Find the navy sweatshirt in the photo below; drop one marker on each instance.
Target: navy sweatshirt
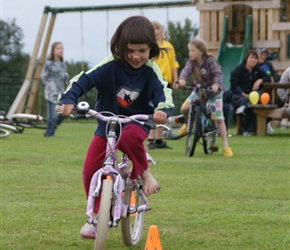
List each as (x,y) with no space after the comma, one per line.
(122,89)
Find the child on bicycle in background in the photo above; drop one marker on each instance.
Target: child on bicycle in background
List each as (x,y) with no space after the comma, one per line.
(128,83)
(207,72)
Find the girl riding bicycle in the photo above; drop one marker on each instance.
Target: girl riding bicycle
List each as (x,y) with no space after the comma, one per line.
(207,72)
(128,82)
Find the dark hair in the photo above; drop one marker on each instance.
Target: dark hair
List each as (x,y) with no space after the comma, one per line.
(134,30)
(250,52)
(51,55)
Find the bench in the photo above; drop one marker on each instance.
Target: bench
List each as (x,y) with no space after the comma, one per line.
(262,113)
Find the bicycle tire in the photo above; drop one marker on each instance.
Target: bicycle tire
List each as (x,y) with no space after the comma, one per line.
(29,121)
(10,127)
(132,226)
(189,131)
(194,122)
(104,215)
(175,123)
(27,116)
(208,139)
(172,134)
(4,133)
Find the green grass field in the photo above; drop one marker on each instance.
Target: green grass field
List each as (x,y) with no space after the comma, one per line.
(206,202)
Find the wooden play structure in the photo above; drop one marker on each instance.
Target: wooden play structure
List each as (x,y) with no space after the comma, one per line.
(232,27)
(228,27)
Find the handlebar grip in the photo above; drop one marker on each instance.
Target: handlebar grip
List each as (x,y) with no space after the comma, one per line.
(79,115)
(150,123)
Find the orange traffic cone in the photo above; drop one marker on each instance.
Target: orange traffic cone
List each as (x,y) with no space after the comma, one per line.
(133,203)
(153,240)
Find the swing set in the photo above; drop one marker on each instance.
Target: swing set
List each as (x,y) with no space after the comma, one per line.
(239,23)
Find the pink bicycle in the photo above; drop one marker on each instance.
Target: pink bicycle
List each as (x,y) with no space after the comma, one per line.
(122,199)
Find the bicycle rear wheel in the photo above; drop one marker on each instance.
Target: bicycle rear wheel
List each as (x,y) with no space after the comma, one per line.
(193,125)
(209,145)
(104,215)
(132,226)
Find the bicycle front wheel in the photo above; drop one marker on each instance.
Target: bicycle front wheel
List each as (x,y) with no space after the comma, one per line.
(132,226)
(193,130)
(104,215)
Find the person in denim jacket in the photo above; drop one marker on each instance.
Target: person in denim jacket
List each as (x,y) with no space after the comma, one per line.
(55,79)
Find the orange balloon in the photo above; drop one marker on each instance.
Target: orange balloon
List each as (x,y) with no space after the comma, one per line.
(265,98)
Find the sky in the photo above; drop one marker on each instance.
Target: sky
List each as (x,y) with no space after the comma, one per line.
(85,36)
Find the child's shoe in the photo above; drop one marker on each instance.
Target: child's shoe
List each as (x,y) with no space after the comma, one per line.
(88,231)
(228,152)
(163,145)
(182,130)
(150,145)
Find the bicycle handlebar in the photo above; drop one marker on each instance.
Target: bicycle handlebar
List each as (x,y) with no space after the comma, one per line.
(199,86)
(83,111)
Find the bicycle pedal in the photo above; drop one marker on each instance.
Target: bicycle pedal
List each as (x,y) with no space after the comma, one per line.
(214,148)
(157,190)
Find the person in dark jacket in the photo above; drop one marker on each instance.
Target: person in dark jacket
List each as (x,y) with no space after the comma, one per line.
(245,78)
(267,65)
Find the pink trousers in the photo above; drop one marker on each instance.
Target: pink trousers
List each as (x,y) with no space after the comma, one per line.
(131,144)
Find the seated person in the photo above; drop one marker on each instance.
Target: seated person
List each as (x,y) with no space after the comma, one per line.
(284,94)
(267,65)
(245,78)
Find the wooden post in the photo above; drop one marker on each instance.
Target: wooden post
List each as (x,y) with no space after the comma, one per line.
(18,104)
(32,97)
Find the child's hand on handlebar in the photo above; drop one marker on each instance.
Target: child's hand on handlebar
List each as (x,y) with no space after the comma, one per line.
(214,88)
(67,109)
(159,117)
(182,82)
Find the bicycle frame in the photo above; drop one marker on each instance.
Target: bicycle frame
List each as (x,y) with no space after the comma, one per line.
(112,168)
(116,186)
(204,127)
